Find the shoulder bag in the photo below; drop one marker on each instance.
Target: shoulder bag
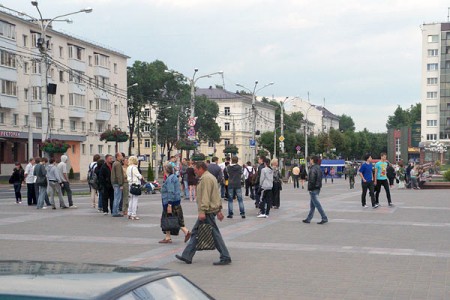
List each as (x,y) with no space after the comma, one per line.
(135,189)
(169,223)
(205,239)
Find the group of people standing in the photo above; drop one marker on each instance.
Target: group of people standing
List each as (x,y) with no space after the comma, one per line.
(44,178)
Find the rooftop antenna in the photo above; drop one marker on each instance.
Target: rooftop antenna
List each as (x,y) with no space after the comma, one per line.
(448,14)
(223,81)
(308,96)
(323,102)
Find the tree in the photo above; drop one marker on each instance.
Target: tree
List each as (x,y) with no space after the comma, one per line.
(404,117)
(206,126)
(346,123)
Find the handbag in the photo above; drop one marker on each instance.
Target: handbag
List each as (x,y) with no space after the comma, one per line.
(205,239)
(170,223)
(135,189)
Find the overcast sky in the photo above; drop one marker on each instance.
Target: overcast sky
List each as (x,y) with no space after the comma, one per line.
(361,56)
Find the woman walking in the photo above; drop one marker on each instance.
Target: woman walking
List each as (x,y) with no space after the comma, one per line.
(276,184)
(171,203)
(192,182)
(16,179)
(133,177)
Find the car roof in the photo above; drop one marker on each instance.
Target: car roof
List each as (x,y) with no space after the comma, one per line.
(60,280)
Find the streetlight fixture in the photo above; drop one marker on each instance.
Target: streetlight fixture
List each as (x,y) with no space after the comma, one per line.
(253,92)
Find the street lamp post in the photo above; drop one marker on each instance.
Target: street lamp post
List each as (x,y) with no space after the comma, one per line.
(253,92)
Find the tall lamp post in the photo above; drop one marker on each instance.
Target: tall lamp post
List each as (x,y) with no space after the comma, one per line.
(253,92)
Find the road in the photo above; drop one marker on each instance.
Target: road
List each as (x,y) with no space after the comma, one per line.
(388,253)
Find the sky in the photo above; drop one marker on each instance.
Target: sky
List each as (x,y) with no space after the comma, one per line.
(361,58)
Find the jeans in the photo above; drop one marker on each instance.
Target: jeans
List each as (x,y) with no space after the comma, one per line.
(100,200)
(368,186)
(117,199)
(66,188)
(385,184)
(314,203)
(132,205)
(295,180)
(190,249)
(222,190)
(266,202)
(31,194)
(17,187)
(51,189)
(238,193)
(186,189)
(41,199)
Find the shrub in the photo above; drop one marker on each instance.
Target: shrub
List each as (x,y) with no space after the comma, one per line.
(71,174)
(447,175)
(150,175)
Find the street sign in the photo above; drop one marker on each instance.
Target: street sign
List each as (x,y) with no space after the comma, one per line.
(281,138)
(191,132)
(142,158)
(252,144)
(281,145)
(192,121)
(298,148)
(154,148)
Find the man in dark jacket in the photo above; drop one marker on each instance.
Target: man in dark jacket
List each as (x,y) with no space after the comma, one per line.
(106,185)
(234,187)
(261,165)
(314,186)
(215,169)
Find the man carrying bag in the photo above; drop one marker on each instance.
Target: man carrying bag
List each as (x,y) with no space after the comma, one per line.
(209,205)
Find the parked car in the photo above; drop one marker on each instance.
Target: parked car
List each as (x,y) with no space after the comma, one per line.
(58,280)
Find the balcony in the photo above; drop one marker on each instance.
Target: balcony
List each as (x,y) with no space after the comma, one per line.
(77,112)
(36,107)
(76,64)
(101,71)
(9,102)
(102,116)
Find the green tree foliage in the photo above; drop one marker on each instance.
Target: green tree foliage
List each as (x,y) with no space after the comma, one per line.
(206,126)
(404,117)
(346,123)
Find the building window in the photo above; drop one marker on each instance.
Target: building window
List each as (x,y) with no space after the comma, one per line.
(76,76)
(210,144)
(91,149)
(61,52)
(26,120)
(431,123)
(227,126)
(83,149)
(432,81)
(15,119)
(115,68)
(35,67)
(432,67)
(147,128)
(433,38)
(52,123)
(102,105)
(227,111)
(61,100)
(25,40)
(77,100)
(73,125)
(132,143)
(101,60)
(2,118)
(109,148)
(431,137)
(61,76)
(147,113)
(7,30)
(431,95)
(448,121)
(432,109)
(116,109)
(100,149)
(99,127)
(37,93)
(26,66)
(7,59)
(76,52)
(9,88)
(83,126)
(147,143)
(61,124)
(432,52)
(38,122)
(227,142)
(91,126)
(25,94)
(90,60)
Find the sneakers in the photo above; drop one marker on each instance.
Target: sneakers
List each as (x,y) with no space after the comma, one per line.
(73,206)
(261,216)
(222,262)
(179,257)
(230,216)
(243,216)
(375,206)
(391,204)
(365,206)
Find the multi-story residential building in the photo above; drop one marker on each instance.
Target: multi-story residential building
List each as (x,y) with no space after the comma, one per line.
(90,97)
(235,120)
(435,94)
(319,119)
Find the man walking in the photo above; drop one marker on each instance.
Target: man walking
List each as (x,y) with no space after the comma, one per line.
(266,185)
(314,186)
(215,169)
(261,165)
(55,181)
(29,180)
(366,174)
(234,187)
(41,181)
(117,180)
(209,205)
(381,179)
(62,167)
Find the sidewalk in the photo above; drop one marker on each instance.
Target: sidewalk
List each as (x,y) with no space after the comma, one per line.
(362,253)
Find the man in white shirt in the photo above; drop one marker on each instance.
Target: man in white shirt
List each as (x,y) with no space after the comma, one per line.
(30,179)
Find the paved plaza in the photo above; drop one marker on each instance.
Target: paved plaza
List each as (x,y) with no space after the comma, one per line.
(401,252)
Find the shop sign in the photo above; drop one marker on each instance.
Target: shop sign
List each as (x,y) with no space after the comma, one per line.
(13,134)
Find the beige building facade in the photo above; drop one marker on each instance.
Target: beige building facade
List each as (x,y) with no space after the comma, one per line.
(90,96)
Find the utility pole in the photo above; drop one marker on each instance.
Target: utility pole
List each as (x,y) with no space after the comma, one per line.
(30,130)
(234,132)
(282,132)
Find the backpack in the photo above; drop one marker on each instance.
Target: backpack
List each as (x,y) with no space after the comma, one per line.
(251,176)
(92,177)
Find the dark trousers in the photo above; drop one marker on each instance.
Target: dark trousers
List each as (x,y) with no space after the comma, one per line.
(266,202)
(276,196)
(31,194)
(351,180)
(108,195)
(385,184)
(368,186)
(249,187)
(257,195)
(17,188)
(295,180)
(66,188)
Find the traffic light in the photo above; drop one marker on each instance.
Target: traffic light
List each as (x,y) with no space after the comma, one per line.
(257,132)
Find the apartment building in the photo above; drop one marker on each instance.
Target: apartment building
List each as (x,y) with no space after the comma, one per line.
(435,92)
(235,120)
(90,96)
